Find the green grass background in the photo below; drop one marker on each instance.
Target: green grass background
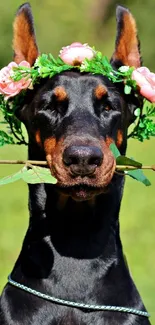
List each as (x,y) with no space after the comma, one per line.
(68,21)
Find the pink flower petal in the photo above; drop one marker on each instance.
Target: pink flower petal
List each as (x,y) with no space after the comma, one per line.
(2,86)
(151,78)
(143,70)
(139,78)
(9,87)
(146,81)
(4,74)
(12,65)
(148,92)
(10,93)
(76,53)
(76,44)
(1,91)
(26,84)
(24,64)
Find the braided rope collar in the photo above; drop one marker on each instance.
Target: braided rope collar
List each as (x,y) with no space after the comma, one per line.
(77,304)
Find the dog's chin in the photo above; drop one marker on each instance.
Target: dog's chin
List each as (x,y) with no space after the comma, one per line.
(81,192)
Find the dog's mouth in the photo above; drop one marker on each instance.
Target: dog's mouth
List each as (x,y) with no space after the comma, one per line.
(80,192)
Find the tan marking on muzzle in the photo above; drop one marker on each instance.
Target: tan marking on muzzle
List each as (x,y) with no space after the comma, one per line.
(108,141)
(49,146)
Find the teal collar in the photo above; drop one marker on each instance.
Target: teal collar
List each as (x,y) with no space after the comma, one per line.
(77,304)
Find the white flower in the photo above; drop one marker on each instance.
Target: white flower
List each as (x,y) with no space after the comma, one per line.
(124,68)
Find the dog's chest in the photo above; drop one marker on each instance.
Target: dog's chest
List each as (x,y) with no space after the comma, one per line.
(99,318)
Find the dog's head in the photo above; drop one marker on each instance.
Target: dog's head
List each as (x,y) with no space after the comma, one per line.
(73,117)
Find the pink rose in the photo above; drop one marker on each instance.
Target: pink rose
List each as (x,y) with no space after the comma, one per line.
(146,81)
(9,87)
(75,53)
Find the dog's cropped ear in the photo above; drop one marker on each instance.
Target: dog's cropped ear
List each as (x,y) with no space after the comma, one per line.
(127,44)
(24,41)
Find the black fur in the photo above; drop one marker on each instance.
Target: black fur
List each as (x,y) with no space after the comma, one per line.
(73,250)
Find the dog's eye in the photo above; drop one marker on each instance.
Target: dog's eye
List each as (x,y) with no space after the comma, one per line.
(107,108)
(101,107)
(60,107)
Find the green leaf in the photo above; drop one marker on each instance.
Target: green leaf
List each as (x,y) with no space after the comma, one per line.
(141,125)
(127,89)
(11,178)
(137,112)
(114,150)
(139,176)
(5,138)
(122,160)
(37,174)
(33,175)
(8,108)
(150,110)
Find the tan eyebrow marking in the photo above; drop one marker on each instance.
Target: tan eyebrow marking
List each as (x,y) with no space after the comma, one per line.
(100,91)
(60,93)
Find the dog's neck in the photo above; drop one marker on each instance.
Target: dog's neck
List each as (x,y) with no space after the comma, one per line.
(87,230)
(76,229)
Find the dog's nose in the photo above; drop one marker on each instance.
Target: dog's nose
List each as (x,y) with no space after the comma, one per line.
(82,160)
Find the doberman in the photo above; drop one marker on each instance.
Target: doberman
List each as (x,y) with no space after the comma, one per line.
(72,249)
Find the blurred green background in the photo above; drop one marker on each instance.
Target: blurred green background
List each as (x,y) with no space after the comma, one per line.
(58,23)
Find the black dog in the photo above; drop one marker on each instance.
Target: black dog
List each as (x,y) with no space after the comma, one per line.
(72,249)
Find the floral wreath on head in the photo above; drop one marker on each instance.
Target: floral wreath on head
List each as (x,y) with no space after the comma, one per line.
(16,79)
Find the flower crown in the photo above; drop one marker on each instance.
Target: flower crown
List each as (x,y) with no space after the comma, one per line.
(16,79)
